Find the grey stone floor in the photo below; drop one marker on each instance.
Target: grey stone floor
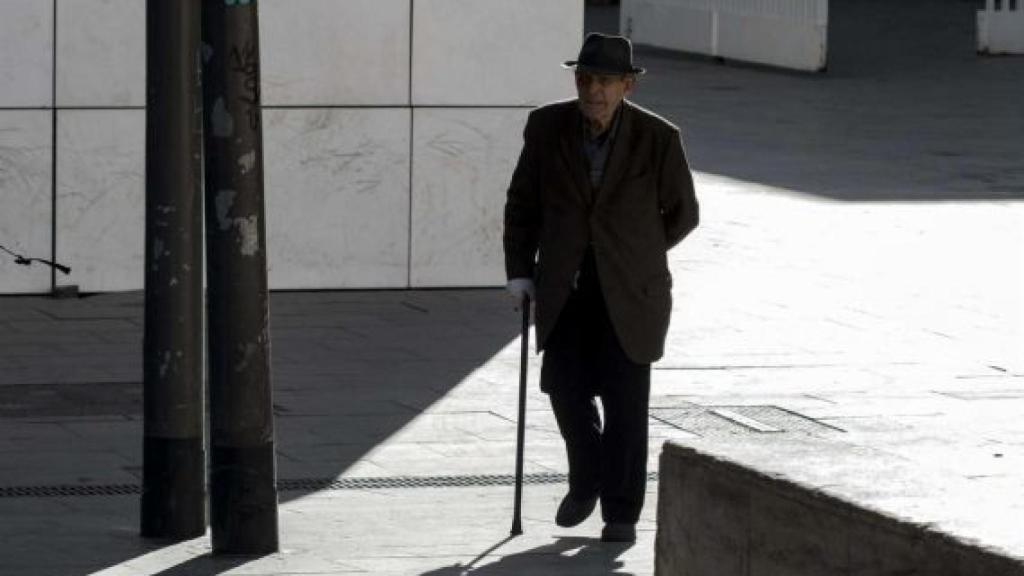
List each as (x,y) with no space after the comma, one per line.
(860,263)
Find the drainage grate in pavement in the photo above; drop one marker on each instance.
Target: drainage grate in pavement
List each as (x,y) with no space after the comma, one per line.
(69,490)
(305,484)
(714,421)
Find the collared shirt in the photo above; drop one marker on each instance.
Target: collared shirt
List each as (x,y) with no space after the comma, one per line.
(597,148)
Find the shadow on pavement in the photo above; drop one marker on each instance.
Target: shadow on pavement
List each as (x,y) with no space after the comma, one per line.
(564,556)
(350,370)
(207,565)
(906,111)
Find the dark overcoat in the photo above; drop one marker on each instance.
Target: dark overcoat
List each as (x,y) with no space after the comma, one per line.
(644,206)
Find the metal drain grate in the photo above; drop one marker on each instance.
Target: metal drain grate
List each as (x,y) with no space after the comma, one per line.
(304,484)
(717,421)
(69,490)
(385,482)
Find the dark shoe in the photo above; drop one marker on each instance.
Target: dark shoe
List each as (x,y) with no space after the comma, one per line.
(572,511)
(618,532)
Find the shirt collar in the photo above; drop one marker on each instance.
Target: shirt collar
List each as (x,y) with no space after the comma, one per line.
(609,134)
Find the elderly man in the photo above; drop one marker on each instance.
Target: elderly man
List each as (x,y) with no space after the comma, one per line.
(601,192)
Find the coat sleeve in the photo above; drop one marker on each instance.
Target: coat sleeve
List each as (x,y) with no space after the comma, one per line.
(523,209)
(677,199)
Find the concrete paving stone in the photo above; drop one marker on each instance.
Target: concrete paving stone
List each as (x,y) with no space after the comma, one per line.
(353,429)
(659,433)
(122,436)
(970,460)
(126,338)
(16,350)
(502,402)
(43,338)
(455,465)
(41,436)
(920,406)
(19,309)
(867,425)
(58,375)
(483,523)
(290,407)
(93,313)
(64,362)
(77,326)
(446,427)
(323,464)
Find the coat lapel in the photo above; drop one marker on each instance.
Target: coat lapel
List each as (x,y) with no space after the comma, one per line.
(622,148)
(571,144)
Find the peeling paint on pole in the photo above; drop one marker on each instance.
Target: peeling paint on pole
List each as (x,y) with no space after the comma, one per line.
(248,235)
(223,124)
(224,200)
(247,161)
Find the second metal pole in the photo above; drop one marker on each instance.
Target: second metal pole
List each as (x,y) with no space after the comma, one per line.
(243,493)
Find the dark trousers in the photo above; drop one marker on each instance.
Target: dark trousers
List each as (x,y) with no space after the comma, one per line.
(583,360)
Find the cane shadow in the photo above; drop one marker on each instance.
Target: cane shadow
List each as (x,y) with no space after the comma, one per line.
(566,555)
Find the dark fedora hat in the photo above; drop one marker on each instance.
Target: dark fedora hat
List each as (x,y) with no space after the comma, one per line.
(605,54)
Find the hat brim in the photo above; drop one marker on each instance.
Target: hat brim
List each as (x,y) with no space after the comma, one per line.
(575,65)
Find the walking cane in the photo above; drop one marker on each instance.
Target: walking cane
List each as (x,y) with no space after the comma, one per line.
(517,516)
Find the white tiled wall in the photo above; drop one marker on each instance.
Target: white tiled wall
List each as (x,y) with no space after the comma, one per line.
(494,52)
(391,129)
(101,198)
(334,52)
(25,206)
(101,53)
(337,197)
(462,163)
(26,53)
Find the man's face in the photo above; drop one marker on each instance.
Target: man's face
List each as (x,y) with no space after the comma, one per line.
(600,94)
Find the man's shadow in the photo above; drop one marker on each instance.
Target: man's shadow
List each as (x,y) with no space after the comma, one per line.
(566,555)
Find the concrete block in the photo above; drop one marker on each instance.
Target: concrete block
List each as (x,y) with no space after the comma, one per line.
(101,53)
(25,204)
(494,52)
(789,43)
(101,198)
(667,25)
(462,163)
(696,538)
(337,196)
(1000,31)
(877,548)
(784,33)
(795,534)
(331,52)
(26,53)
(719,516)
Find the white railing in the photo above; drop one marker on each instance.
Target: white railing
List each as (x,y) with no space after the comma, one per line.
(785,33)
(1001,27)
